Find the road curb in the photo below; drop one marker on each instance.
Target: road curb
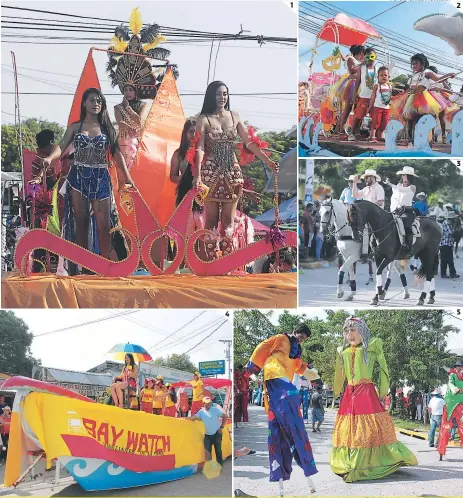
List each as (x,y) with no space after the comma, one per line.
(316,265)
(420,435)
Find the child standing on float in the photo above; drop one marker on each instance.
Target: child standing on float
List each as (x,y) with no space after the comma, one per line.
(417,101)
(367,78)
(348,87)
(147,396)
(380,104)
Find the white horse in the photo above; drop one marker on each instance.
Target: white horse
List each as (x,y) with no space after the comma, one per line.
(333,213)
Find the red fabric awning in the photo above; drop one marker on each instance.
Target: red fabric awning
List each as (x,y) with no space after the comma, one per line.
(351,31)
(208,382)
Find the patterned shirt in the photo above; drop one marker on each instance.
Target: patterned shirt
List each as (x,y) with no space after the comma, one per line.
(447,234)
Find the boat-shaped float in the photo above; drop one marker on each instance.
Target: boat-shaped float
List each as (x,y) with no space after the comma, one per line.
(103,447)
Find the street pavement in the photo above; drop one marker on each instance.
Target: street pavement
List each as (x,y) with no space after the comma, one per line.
(317,287)
(430,478)
(196,485)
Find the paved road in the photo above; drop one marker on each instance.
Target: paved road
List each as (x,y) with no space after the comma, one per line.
(429,478)
(197,485)
(317,287)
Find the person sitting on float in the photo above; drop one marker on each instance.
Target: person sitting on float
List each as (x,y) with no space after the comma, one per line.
(127,379)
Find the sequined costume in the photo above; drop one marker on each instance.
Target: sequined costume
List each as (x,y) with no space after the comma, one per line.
(280,358)
(89,175)
(364,440)
(129,134)
(453,410)
(220,170)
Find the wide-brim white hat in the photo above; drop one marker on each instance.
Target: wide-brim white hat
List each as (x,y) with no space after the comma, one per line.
(421,194)
(440,201)
(407,170)
(371,172)
(436,391)
(351,178)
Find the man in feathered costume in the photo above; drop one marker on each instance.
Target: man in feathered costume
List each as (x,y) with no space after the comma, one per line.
(453,409)
(280,357)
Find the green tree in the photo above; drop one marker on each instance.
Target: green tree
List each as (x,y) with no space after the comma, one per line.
(15,350)
(250,328)
(256,171)
(177,361)
(10,140)
(414,342)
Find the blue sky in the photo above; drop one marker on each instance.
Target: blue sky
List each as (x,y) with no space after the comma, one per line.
(242,65)
(400,20)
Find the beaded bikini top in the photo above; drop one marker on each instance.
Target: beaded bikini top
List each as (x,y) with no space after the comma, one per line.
(221,143)
(90,150)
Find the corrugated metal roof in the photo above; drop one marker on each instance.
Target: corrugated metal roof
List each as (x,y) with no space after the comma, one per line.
(95,379)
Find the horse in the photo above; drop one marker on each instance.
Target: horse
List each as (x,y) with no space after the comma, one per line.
(333,213)
(389,248)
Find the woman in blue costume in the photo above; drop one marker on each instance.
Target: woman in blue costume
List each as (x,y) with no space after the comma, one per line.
(90,210)
(280,359)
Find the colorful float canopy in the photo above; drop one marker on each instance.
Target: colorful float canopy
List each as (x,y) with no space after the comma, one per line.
(347,31)
(139,353)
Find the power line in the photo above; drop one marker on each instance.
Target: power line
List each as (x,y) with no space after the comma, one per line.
(179,329)
(202,340)
(198,331)
(387,10)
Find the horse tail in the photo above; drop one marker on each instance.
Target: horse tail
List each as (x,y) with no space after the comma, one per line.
(422,270)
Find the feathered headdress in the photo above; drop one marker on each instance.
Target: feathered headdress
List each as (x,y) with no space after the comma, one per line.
(126,69)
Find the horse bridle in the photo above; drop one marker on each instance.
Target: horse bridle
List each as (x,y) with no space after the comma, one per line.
(332,214)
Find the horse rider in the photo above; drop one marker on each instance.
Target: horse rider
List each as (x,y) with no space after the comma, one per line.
(374,193)
(346,195)
(421,204)
(401,203)
(438,212)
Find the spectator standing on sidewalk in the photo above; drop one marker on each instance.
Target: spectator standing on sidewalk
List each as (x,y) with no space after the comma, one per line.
(318,412)
(419,406)
(436,409)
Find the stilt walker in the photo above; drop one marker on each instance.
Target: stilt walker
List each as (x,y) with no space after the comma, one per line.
(365,445)
(453,408)
(280,358)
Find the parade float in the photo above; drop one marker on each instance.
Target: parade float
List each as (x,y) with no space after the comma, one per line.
(148,221)
(320,116)
(102,447)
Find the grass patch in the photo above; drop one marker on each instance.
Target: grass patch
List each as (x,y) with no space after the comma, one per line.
(410,425)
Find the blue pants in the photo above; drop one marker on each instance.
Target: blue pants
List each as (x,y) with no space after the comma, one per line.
(305,403)
(318,248)
(435,422)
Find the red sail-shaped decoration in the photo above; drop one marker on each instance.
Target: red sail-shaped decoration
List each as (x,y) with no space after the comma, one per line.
(88,79)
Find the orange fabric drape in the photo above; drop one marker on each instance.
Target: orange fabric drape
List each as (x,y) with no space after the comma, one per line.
(273,290)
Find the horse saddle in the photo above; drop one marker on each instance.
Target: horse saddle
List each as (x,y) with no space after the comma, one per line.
(416,229)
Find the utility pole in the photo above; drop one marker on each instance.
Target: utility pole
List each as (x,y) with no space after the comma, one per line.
(228,342)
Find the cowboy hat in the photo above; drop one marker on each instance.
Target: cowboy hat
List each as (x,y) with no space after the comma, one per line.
(440,201)
(207,400)
(421,194)
(407,170)
(459,363)
(351,178)
(7,408)
(371,172)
